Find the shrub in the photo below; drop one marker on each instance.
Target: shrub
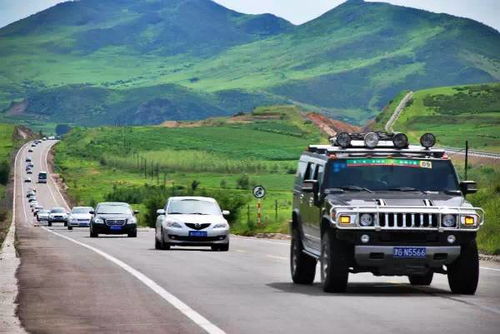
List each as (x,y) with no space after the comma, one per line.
(4,172)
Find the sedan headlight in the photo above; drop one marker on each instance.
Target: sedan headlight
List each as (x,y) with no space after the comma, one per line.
(366,219)
(449,221)
(174,225)
(221,225)
(98,221)
(132,220)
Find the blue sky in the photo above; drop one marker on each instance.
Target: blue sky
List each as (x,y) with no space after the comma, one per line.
(296,11)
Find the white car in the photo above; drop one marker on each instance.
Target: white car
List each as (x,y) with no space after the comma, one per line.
(42,215)
(58,215)
(80,216)
(27,179)
(36,209)
(33,205)
(192,221)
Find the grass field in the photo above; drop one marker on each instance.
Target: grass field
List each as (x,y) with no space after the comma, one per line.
(454,114)
(231,158)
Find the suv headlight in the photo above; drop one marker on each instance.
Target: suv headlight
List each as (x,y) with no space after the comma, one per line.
(98,221)
(449,221)
(174,225)
(366,219)
(221,225)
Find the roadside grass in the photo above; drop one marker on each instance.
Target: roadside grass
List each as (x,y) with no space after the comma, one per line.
(6,146)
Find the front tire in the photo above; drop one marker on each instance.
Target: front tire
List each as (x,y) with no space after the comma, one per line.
(93,234)
(70,228)
(302,266)
(463,274)
(49,223)
(133,234)
(334,263)
(421,279)
(220,248)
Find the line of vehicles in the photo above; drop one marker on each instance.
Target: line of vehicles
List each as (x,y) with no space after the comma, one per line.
(367,202)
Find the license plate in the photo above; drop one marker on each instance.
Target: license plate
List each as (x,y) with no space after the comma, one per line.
(409,252)
(197,233)
(116,228)
(86,224)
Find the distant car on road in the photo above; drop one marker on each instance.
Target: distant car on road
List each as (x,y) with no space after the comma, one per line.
(192,221)
(58,215)
(36,209)
(42,177)
(30,150)
(31,199)
(42,215)
(28,159)
(31,193)
(80,216)
(27,179)
(113,218)
(29,171)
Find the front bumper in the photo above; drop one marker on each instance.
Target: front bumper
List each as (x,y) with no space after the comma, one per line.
(181,237)
(57,220)
(79,223)
(105,229)
(380,259)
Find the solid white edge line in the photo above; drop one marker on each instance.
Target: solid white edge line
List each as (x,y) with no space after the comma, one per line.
(487,268)
(167,296)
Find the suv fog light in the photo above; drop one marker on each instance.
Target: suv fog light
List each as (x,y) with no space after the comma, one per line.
(469,220)
(400,140)
(365,238)
(345,219)
(427,140)
(343,139)
(451,239)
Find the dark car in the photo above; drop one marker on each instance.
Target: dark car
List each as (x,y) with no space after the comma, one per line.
(372,203)
(113,218)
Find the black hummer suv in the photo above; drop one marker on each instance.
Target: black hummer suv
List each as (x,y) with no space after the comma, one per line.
(372,203)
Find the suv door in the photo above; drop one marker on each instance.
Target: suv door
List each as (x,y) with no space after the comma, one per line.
(307,200)
(315,209)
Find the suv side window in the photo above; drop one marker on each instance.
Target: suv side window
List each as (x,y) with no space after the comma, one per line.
(301,170)
(310,171)
(319,175)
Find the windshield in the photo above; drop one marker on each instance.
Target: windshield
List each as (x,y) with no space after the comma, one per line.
(81,210)
(114,209)
(42,175)
(193,207)
(393,174)
(57,210)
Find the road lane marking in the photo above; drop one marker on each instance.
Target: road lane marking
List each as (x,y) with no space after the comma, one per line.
(276,257)
(488,268)
(167,296)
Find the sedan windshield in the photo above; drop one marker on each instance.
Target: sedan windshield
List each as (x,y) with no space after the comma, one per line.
(114,209)
(193,207)
(81,210)
(57,210)
(391,174)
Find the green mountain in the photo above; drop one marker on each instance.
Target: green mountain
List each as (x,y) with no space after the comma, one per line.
(146,61)
(454,114)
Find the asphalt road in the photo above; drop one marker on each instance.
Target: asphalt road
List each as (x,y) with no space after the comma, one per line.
(71,283)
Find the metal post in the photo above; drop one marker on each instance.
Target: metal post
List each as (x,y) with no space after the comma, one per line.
(276,211)
(259,212)
(466,157)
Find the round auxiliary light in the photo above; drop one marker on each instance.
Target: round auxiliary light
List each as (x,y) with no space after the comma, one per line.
(451,239)
(449,221)
(400,140)
(371,139)
(428,140)
(365,238)
(343,139)
(366,219)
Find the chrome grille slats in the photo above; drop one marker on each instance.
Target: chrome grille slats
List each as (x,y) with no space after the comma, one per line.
(403,220)
(198,226)
(115,222)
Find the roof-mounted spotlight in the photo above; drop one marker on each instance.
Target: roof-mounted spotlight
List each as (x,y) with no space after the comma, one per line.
(343,140)
(400,140)
(428,140)
(371,140)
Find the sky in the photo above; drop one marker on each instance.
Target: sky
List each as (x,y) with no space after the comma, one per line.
(295,11)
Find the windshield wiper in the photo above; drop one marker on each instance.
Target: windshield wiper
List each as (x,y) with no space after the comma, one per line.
(176,213)
(198,213)
(355,188)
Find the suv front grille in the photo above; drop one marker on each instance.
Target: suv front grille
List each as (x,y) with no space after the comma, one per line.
(115,222)
(405,220)
(197,226)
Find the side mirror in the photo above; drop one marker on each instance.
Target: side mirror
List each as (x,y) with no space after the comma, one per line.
(136,212)
(160,212)
(468,187)
(226,212)
(92,212)
(310,186)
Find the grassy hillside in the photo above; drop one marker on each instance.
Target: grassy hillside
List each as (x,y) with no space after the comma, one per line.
(225,156)
(454,114)
(155,60)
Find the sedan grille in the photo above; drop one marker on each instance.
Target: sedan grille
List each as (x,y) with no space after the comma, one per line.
(197,226)
(404,220)
(115,222)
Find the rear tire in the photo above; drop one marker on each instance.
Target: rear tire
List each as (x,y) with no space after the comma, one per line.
(49,224)
(421,279)
(65,224)
(463,274)
(334,263)
(302,266)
